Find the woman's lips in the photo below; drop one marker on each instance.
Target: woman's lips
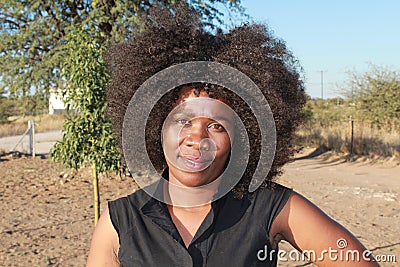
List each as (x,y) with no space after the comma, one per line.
(192,158)
(195,163)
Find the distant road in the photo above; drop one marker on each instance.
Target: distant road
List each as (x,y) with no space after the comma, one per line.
(44,142)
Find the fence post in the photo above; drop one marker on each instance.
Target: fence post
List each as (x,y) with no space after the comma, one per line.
(351,135)
(31,127)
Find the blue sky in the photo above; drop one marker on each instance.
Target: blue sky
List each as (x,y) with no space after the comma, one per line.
(336,37)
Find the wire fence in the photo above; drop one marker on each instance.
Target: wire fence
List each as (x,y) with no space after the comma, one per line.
(30,132)
(353,136)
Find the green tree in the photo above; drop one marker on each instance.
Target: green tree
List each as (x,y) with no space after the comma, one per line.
(376,97)
(6,107)
(88,137)
(33,33)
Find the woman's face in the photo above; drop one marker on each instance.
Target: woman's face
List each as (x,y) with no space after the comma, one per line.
(197,139)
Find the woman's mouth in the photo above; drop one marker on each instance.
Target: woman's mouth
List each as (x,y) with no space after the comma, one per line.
(195,163)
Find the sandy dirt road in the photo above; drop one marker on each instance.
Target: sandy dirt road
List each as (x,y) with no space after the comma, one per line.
(363,197)
(43,142)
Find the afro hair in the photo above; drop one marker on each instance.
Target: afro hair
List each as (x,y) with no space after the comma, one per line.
(172,36)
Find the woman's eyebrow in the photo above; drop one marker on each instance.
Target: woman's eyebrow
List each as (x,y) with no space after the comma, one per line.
(188,115)
(222,118)
(184,114)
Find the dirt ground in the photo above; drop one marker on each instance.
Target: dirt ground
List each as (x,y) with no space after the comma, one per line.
(47,210)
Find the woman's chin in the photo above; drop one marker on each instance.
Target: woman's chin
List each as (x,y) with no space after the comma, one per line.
(192,179)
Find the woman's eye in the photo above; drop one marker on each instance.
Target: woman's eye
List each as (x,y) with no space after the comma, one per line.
(216,127)
(182,121)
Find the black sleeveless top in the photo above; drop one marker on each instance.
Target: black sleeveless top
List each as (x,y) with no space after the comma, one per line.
(234,232)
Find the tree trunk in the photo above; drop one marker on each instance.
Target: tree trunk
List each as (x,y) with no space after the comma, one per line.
(96,194)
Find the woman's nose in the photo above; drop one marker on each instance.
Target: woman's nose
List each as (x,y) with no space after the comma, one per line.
(197,137)
(205,144)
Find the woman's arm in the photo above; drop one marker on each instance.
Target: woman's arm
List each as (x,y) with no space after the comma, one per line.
(105,243)
(311,231)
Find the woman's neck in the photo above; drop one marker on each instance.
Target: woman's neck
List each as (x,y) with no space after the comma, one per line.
(181,196)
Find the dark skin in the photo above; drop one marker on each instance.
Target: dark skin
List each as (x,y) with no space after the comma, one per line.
(321,232)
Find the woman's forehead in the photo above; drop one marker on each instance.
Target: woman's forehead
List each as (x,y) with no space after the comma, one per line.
(203,107)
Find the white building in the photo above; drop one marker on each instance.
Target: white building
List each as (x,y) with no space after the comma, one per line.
(56,101)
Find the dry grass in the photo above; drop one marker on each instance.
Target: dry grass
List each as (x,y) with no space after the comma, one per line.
(43,123)
(366,141)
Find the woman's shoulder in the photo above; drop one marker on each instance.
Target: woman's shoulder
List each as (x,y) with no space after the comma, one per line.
(136,199)
(125,210)
(267,201)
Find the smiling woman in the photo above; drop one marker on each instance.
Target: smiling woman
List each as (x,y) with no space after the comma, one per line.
(201,210)
(196,141)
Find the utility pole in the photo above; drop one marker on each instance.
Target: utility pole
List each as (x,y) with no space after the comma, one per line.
(322,83)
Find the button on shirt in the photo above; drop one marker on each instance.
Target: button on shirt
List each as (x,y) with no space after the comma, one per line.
(234,233)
